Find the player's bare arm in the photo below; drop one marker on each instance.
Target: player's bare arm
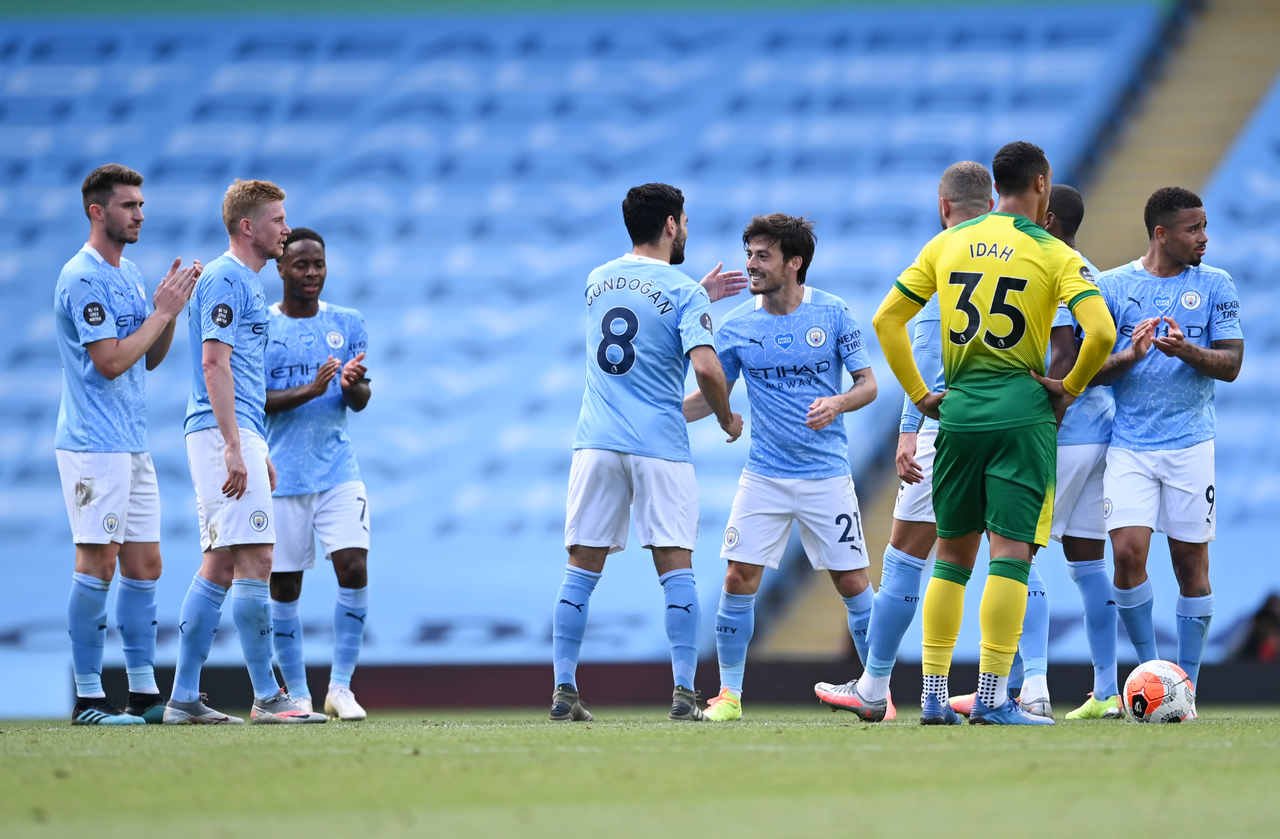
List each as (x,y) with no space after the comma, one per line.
(1062,351)
(721,284)
(113,356)
(824,409)
(291,397)
(711,383)
(1099,339)
(1121,362)
(355,384)
(909,469)
(697,407)
(1221,360)
(215,364)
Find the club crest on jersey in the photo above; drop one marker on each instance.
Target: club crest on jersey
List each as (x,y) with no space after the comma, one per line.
(786,339)
(730,537)
(334,339)
(258,520)
(1191,300)
(1106,508)
(815,337)
(111,523)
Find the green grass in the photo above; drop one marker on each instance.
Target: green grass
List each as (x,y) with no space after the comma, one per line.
(783,771)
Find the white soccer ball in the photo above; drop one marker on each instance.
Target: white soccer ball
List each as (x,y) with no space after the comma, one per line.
(1159,691)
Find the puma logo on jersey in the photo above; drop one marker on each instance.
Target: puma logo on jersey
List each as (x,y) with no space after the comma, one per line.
(757,341)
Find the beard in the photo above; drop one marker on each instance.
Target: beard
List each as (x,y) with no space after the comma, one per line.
(122,235)
(677,250)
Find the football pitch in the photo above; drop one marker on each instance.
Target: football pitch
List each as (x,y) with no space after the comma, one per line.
(782,771)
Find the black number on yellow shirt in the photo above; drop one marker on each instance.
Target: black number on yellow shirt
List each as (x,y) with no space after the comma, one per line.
(999,306)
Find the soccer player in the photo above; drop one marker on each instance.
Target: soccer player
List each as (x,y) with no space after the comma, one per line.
(104,328)
(1077,514)
(646,323)
(998,278)
(230,467)
(315,373)
(1159,473)
(964,193)
(792,344)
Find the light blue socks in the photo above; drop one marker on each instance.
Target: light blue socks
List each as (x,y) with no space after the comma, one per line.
(348,633)
(735,624)
(87,626)
(251,611)
(136,623)
(1194,615)
(1094,583)
(569,622)
(681,596)
(894,608)
(1133,605)
(197,624)
(858,608)
(286,640)
(1034,644)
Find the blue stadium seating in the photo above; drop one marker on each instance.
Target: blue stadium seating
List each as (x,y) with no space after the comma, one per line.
(466,174)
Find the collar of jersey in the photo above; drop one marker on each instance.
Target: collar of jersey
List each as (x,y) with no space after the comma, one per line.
(275,307)
(235,259)
(635,257)
(808,298)
(1138,267)
(93,252)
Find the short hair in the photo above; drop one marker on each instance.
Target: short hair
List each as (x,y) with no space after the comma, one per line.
(244,198)
(299,234)
(646,208)
(1164,204)
(101,182)
(1016,165)
(966,184)
(1067,206)
(794,235)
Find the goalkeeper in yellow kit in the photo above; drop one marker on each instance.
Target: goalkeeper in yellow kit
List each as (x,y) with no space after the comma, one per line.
(999,279)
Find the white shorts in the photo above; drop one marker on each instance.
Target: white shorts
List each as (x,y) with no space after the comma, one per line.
(915,501)
(226,522)
(1169,491)
(110,496)
(606,487)
(1077,506)
(825,508)
(339,516)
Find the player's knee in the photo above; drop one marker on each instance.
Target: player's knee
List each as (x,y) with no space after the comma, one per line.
(851,583)
(286,586)
(351,568)
(96,561)
(740,578)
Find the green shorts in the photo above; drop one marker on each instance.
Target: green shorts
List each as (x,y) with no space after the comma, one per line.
(1000,480)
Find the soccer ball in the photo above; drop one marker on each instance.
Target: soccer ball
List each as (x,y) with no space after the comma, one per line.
(1159,691)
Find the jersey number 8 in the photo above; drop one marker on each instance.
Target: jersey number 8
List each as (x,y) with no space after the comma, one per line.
(617,352)
(968,280)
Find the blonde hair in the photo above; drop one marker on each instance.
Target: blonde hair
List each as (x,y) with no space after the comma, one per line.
(245,198)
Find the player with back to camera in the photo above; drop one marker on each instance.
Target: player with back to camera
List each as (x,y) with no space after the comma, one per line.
(964,193)
(646,323)
(998,278)
(315,374)
(1159,474)
(230,467)
(104,328)
(791,344)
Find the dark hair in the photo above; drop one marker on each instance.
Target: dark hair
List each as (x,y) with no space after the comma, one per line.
(794,235)
(646,208)
(99,184)
(1016,165)
(1067,207)
(1164,204)
(298,234)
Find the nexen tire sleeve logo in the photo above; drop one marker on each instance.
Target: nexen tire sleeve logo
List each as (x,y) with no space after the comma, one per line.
(222,315)
(94,314)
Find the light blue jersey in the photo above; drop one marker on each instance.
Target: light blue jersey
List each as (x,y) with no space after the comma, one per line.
(1162,402)
(1090,417)
(93,301)
(926,346)
(228,306)
(309,444)
(788,361)
(643,319)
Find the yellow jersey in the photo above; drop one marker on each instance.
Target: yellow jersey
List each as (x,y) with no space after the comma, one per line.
(999,279)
